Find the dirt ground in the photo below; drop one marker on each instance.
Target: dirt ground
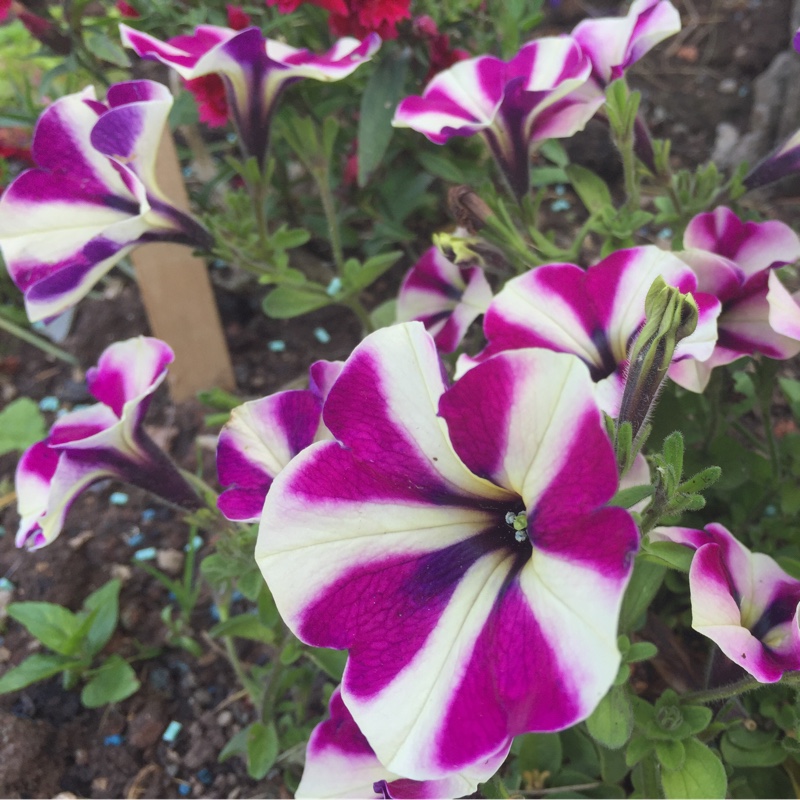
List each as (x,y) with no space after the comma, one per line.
(49,744)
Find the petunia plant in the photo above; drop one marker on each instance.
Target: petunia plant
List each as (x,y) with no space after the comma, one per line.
(536,533)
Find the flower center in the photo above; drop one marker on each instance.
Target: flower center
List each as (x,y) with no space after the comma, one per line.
(519,522)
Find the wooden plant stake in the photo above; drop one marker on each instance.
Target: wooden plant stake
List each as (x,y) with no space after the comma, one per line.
(178,299)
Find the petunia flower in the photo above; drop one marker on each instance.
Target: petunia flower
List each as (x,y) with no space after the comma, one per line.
(254,70)
(445,297)
(742,601)
(613,44)
(735,261)
(457,543)
(593,313)
(92,199)
(102,441)
(511,105)
(261,438)
(782,161)
(341,763)
(356,17)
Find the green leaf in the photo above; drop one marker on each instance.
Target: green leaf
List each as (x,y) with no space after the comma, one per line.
(385,314)
(554,151)
(638,748)
(673,452)
(743,748)
(676,556)
(245,626)
(285,302)
(611,723)
(331,662)
(701,481)
(548,176)
(381,96)
(34,668)
(53,625)
(235,746)
(21,425)
(262,749)
(105,604)
(613,767)
(542,752)
(644,584)
(641,651)
(370,271)
(671,754)
(440,166)
(702,774)
(696,718)
(625,498)
(288,238)
(107,50)
(591,188)
(114,681)
(250,584)
(219,399)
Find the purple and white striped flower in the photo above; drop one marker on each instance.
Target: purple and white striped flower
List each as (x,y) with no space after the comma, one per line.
(255,70)
(341,763)
(736,261)
(593,313)
(261,438)
(444,296)
(457,543)
(105,440)
(512,105)
(615,43)
(742,601)
(93,197)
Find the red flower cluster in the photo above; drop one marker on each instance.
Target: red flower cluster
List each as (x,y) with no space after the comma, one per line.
(356,17)
(440,54)
(127,10)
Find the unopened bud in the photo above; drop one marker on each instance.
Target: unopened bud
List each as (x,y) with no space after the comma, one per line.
(670,317)
(467,208)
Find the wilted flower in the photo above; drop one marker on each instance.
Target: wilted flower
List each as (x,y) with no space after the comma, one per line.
(263,436)
(511,105)
(105,440)
(593,313)
(254,70)
(743,601)
(340,763)
(735,261)
(93,198)
(445,297)
(457,543)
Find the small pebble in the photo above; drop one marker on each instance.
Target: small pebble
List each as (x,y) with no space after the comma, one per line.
(196,544)
(148,515)
(172,731)
(560,205)
(560,189)
(321,335)
(231,137)
(224,718)
(334,287)
(214,612)
(170,561)
(145,554)
(743,91)
(61,412)
(6,585)
(134,538)
(236,595)
(5,655)
(184,789)
(205,777)
(118,499)
(770,511)
(115,740)
(665,233)
(48,403)
(187,172)
(159,679)
(81,757)
(276,346)
(2,530)
(727,86)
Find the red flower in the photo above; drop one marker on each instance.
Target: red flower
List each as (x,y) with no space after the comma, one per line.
(356,17)
(127,10)
(440,54)
(237,18)
(209,94)
(5,7)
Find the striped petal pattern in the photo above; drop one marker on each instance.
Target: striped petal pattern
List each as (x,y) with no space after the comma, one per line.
(593,313)
(445,297)
(396,542)
(735,261)
(105,440)
(511,104)
(92,198)
(255,70)
(341,763)
(742,601)
(615,43)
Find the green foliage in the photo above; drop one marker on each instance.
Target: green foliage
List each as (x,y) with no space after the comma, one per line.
(21,425)
(76,639)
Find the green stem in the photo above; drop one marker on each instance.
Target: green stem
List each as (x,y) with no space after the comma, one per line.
(270,690)
(721,692)
(766,371)
(650,778)
(321,176)
(357,307)
(36,341)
